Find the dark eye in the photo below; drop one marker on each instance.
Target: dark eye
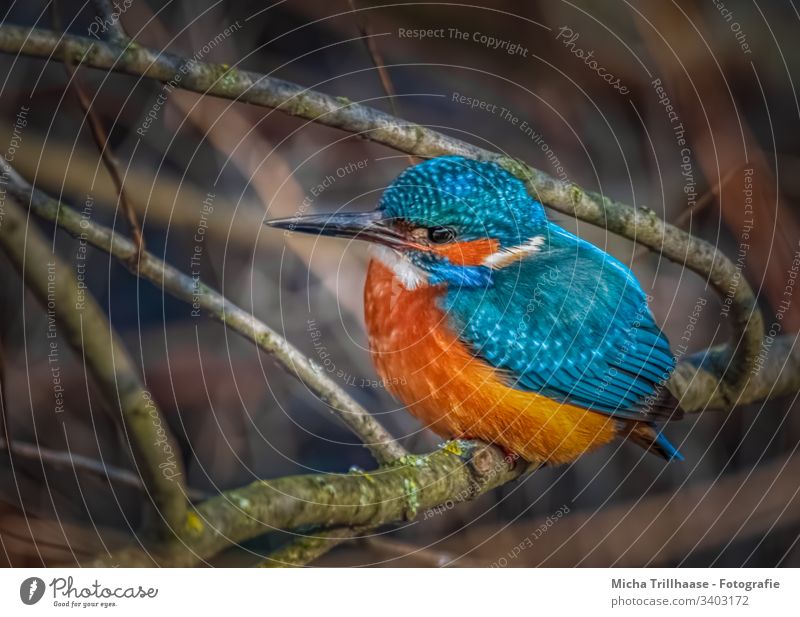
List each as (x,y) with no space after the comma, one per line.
(441,235)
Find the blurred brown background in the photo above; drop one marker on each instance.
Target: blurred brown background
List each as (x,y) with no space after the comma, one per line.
(727,69)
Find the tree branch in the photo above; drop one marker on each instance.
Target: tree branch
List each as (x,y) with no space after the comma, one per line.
(460,470)
(108,157)
(639,224)
(694,381)
(52,282)
(34,451)
(368,429)
(375,54)
(79,462)
(733,373)
(111,20)
(661,529)
(98,131)
(305,549)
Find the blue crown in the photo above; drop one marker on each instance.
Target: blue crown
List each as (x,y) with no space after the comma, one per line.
(478,199)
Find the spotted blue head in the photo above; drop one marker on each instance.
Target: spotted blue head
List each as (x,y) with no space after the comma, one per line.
(448,220)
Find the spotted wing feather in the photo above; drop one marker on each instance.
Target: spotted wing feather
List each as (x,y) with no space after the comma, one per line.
(572,323)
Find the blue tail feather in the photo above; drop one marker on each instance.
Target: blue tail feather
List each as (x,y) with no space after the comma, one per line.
(650,438)
(669,451)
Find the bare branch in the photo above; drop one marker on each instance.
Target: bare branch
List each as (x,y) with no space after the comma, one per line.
(460,470)
(107,154)
(369,430)
(661,529)
(99,133)
(636,223)
(112,20)
(53,283)
(735,373)
(700,205)
(377,60)
(305,549)
(79,462)
(56,458)
(776,374)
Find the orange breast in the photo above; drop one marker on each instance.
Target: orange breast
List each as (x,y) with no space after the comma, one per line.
(458,395)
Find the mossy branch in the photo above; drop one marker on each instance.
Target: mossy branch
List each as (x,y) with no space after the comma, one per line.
(374,436)
(636,223)
(460,471)
(77,316)
(716,378)
(305,549)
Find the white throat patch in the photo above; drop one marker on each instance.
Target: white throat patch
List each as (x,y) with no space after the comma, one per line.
(409,275)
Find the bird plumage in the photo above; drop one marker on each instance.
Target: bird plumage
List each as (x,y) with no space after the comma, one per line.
(456,393)
(569,322)
(491,322)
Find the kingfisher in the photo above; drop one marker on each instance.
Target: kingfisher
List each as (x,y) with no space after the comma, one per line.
(488,321)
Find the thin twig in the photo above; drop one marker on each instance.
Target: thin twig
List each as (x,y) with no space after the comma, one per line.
(377,60)
(69,459)
(112,165)
(79,462)
(112,18)
(686,215)
(99,133)
(362,499)
(77,315)
(639,224)
(397,491)
(383,447)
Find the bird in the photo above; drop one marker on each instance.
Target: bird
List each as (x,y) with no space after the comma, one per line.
(488,321)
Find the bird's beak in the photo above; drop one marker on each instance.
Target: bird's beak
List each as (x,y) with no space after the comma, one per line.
(368,226)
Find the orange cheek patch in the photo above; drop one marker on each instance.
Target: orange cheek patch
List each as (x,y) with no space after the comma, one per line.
(472,253)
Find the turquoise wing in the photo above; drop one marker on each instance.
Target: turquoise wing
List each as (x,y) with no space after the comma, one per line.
(571,323)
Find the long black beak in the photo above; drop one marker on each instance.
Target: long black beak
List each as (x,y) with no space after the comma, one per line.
(368,226)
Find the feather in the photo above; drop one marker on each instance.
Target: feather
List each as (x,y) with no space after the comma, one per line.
(570,323)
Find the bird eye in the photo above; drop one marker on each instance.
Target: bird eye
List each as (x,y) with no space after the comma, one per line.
(441,235)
